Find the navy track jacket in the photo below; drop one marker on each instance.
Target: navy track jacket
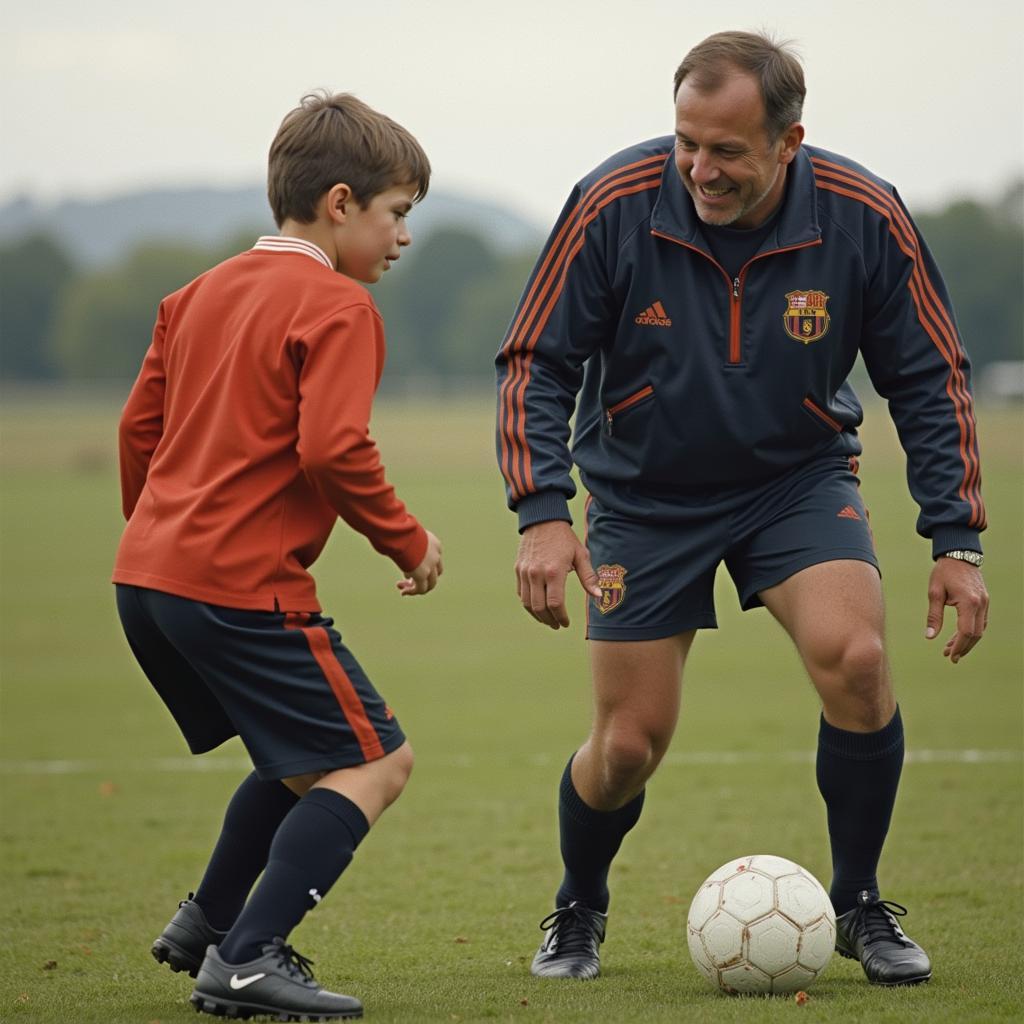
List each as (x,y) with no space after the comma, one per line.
(692,385)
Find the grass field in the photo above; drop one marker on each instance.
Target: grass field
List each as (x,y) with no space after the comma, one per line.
(106,821)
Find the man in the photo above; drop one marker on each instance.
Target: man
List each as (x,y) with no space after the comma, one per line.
(704,298)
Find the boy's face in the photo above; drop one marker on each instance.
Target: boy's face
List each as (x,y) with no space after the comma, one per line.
(370,240)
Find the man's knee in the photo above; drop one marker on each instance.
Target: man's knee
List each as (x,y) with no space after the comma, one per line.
(854,663)
(853,683)
(630,753)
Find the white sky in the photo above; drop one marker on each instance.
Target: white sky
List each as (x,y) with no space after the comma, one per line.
(513,101)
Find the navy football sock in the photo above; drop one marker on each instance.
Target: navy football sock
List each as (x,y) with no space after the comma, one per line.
(589,841)
(250,821)
(858,775)
(312,847)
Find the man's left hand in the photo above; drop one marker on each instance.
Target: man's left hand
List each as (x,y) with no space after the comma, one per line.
(960,585)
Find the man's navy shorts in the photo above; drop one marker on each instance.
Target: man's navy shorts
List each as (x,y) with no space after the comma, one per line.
(657,574)
(283,682)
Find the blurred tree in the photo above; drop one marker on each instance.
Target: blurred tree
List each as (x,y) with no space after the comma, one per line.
(446,306)
(106,320)
(452,263)
(980,250)
(481,315)
(33,275)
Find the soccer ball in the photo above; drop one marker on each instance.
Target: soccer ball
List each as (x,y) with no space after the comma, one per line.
(761,924)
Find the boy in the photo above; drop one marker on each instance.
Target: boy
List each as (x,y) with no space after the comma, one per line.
(244,437)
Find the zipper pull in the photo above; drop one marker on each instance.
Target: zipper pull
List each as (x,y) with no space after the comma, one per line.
(735,287)
(608,421)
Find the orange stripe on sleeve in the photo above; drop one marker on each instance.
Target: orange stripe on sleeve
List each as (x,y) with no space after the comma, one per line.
(543,293)
(541,283)
(932,315)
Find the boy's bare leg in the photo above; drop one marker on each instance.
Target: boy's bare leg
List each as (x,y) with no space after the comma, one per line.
(372,787)
(313,846)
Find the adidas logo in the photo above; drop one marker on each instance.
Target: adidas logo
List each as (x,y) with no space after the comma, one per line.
(847,512)
(654,316)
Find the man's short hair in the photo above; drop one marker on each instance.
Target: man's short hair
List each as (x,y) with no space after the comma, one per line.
(774,64)
(330,139)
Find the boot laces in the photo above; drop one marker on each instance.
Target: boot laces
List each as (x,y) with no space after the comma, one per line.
(297,965)
(876,919)
(577,929)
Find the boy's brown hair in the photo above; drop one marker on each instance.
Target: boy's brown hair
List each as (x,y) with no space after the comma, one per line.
(330,139)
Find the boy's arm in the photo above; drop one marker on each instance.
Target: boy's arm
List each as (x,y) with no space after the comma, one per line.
(142,421)
(342,361)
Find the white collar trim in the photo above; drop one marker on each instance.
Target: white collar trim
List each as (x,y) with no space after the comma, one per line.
(285,243)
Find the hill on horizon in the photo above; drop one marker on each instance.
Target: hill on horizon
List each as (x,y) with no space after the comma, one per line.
(98,232)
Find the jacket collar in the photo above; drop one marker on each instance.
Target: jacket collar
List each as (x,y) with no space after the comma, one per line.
(674,214)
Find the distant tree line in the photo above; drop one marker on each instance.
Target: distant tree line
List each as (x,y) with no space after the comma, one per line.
(446,306)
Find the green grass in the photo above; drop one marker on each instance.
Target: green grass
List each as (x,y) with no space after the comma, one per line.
(436,919)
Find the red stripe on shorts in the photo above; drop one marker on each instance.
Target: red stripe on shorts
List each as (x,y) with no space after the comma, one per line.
(351,706)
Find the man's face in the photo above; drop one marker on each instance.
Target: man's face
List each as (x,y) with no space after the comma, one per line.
(735,175)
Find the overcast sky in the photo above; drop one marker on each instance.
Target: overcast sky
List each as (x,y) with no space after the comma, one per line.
(513,101)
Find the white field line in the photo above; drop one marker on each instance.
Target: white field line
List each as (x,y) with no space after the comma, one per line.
(186,765)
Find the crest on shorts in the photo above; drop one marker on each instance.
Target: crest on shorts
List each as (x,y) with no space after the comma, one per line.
(806,319)
(613,590)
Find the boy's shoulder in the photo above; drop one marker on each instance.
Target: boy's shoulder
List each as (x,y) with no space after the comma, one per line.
(273,276)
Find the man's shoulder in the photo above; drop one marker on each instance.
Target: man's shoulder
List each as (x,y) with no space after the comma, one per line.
(834,172)
(632,164)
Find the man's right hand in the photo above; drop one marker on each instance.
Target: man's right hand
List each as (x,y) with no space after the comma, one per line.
(423,578)
(547,553)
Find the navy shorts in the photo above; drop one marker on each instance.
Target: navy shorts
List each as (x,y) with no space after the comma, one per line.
(283,682)
(657,576)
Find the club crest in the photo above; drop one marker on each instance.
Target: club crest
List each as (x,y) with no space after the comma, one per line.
(806,319)
(613,590)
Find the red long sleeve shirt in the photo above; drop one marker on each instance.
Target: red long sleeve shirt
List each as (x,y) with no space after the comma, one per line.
(246,434)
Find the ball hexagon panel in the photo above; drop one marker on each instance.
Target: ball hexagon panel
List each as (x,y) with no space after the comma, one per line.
(704,904)
(772,865)
(723,939)
(817,944)
(773,944)
(745,978)
(748,896)
(793,980)
(728,870)
(699,955)
(801,899)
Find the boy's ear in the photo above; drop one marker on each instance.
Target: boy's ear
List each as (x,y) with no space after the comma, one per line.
(336,202)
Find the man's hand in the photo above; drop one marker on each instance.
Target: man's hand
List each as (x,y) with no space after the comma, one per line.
(959,584)
(547,553)
(423,578)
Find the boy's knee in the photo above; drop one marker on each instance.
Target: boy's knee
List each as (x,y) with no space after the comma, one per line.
(300,785)
(396,768)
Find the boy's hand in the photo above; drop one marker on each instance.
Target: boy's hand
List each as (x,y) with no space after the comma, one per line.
(423,578)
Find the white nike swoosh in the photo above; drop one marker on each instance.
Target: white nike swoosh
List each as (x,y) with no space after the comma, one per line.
(237,982)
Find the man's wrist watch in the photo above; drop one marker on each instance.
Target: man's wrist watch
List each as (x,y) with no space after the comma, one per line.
(975,558)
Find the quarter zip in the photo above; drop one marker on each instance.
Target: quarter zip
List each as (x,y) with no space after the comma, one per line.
(735,357)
